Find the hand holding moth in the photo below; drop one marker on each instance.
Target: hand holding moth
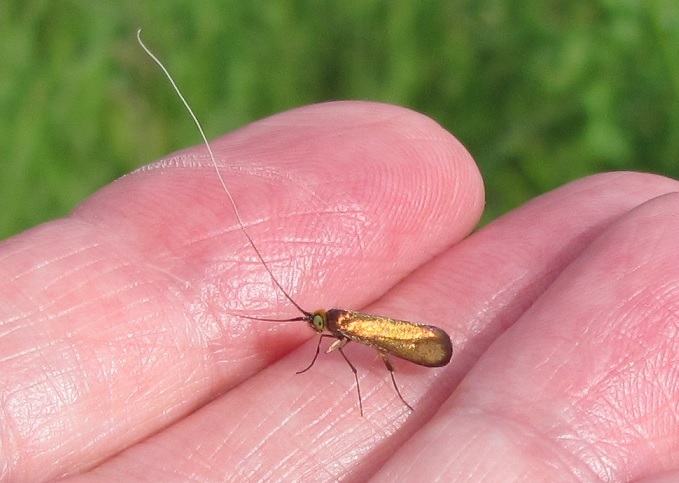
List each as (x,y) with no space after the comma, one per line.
(118,355)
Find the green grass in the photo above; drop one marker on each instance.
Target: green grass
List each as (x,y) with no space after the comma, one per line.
(540,92)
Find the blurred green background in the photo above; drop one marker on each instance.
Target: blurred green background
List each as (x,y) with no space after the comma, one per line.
(540,92)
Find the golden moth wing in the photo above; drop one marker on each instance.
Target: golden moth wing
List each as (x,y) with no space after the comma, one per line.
(424,345)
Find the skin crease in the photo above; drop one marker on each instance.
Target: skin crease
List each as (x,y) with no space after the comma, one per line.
(121,357)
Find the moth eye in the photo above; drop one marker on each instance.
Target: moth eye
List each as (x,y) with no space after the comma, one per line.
(319,322)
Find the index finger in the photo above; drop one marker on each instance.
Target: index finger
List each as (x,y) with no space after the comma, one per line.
(117,321)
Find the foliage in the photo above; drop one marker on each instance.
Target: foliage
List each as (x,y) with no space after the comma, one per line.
(540,92)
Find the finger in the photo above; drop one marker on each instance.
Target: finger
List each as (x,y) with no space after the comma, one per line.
(278,425)
(584,383)
(117,318)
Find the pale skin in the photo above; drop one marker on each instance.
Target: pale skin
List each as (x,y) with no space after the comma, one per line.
(121,357)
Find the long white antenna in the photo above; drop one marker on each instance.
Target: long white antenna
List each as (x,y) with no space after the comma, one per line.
(219,174)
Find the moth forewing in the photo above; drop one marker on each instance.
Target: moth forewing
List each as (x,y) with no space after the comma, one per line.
(421,344)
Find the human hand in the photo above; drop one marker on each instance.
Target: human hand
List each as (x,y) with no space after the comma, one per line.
(121,355)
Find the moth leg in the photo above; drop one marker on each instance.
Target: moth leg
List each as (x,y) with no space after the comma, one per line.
(390,368)
(338,344)
(318,349)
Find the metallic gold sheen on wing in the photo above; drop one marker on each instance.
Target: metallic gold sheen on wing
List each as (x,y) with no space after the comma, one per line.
(424,345)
